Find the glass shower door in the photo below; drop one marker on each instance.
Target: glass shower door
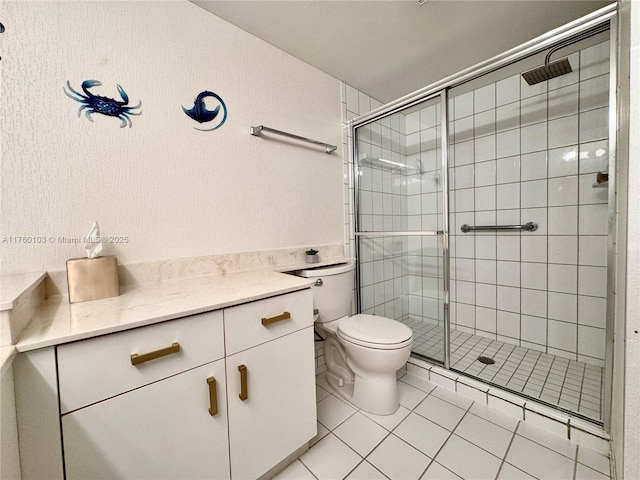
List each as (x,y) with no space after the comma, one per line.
(401,228)
(528,306)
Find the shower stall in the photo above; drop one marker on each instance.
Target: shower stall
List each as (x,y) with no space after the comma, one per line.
(484,218)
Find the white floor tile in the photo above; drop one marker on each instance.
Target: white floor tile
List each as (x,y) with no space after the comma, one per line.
(423,434)
(366,471)
(440,411)
(481,436)
(594,460)
(542,437)
(509,472)
(361,433)
(538,461)
(586,473)
(321,380)
(484,434)
(494,416)
(389,421)
(438,472)
(332,411)
(330,458)
(321,393)
(467,460)
(410,396)
(295,471)
(398,460)
(322,432)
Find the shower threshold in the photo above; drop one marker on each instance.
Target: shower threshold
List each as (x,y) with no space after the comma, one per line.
(570,385)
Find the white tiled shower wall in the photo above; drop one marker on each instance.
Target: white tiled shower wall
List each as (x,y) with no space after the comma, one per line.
(401,276)
(518,153)
(525,153)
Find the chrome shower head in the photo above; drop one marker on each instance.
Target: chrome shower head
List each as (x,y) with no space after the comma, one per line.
(547,71)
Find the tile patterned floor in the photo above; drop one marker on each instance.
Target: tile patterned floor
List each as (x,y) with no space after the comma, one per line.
(572,385)
(436,435)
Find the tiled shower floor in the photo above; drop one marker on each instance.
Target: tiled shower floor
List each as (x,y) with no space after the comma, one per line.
(570,384)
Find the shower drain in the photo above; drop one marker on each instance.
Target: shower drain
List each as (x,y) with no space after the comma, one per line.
(486,360)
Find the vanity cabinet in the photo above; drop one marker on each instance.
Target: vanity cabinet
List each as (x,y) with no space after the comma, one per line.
(161,431)
(274,413)
(222,394)
(135,404)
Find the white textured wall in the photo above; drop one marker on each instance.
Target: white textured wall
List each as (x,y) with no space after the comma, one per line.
(625,422)
(174,191)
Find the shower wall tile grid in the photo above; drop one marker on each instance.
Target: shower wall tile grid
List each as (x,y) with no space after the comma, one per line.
(401,276)
(519,153)
(531,153)
(569,384)
(354,103)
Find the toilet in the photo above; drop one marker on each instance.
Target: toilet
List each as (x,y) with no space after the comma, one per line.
(362,352)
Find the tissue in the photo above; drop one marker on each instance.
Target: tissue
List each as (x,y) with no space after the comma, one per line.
(93,244)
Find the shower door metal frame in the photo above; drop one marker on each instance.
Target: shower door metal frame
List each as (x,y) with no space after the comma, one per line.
(536,45)
(611,224)
(444,151)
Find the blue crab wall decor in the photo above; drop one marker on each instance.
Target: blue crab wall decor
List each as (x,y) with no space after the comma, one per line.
(200,113)
(103,105)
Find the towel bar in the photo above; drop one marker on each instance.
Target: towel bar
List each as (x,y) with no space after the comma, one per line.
(257,130)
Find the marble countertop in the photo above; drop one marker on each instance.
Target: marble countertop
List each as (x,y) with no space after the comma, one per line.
(15,285)
(58,322)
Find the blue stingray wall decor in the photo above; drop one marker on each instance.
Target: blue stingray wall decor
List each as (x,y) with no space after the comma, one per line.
(103,105)
(200,113)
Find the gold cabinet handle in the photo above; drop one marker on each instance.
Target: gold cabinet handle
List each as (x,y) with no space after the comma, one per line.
(145,357)
(244,394)
(277,318)
(213,396)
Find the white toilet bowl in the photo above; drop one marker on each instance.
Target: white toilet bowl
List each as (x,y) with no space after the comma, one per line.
(362,352)
(361,365)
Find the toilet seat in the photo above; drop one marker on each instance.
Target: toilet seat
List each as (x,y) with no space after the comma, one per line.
(375,332)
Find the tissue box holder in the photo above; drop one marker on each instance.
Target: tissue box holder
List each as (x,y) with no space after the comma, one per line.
(92,278)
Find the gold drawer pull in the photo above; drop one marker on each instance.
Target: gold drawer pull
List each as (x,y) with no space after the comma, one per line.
(244,394)
(277,318)
(213,396)
(145,357)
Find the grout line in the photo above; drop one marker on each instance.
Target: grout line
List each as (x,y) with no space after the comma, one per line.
(504,458)
(448,437)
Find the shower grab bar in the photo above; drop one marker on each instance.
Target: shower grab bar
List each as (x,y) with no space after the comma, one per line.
(529,227)
(257,130)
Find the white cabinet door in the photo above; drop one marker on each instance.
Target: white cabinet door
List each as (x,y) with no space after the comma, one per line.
(279,413)
(161,431)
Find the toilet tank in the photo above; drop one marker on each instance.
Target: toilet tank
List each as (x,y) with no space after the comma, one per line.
(332,289)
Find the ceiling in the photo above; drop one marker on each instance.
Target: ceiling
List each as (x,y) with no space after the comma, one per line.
(389,48)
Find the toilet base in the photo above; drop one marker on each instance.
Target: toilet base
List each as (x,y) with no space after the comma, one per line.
(379,396)
(339,385)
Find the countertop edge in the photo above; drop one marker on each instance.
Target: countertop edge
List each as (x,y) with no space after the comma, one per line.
(34,339)
(25,283)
